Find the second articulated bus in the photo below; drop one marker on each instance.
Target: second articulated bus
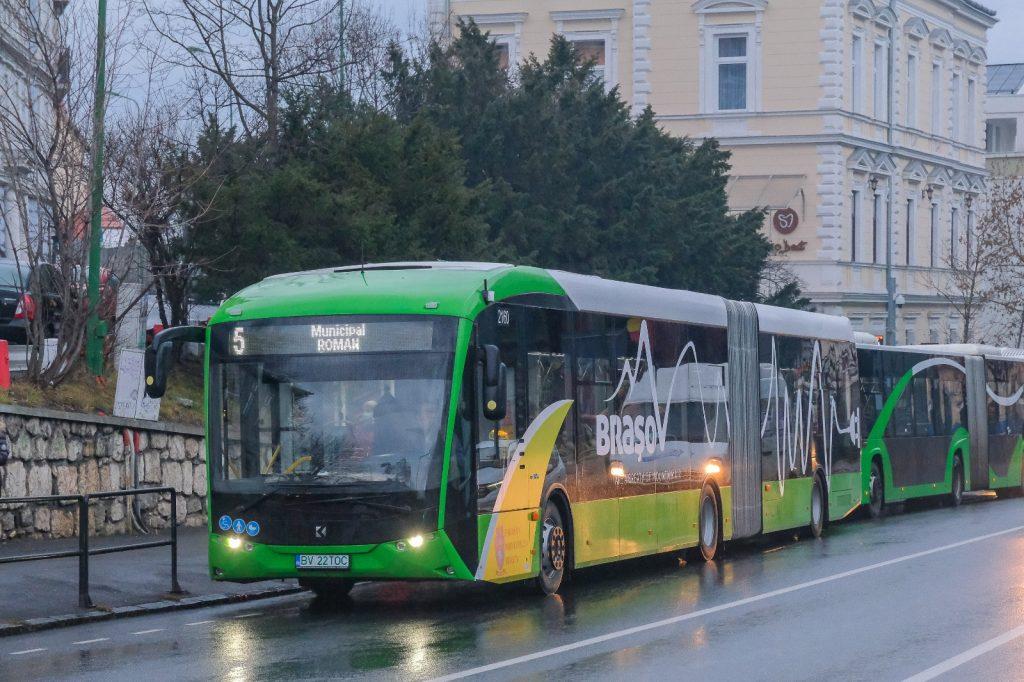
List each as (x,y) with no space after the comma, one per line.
(488,422)
(940,420)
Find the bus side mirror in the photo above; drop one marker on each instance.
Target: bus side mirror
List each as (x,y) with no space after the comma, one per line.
(158,356)
(494,384)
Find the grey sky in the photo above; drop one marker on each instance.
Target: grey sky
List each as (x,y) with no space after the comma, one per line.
(1004,41)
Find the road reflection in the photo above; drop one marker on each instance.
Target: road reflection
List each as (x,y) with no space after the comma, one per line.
(422,629)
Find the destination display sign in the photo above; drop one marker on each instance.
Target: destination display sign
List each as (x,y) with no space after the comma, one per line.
(330,337)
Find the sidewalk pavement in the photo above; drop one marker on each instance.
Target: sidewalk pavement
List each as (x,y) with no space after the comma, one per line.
(36,595)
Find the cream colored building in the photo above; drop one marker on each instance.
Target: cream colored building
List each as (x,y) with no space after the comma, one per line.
(862,117)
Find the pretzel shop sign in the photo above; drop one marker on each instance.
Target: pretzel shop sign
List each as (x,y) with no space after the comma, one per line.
(785,220)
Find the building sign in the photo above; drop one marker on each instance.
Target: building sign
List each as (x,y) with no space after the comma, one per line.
(785,247)
(785,220)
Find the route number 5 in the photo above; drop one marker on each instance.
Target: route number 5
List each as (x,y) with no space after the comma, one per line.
(238,341)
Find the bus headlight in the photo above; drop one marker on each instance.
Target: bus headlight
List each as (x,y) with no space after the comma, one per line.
(416,541)
(234,542)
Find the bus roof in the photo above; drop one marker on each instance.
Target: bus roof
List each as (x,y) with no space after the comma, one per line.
(455,288)
(981,349)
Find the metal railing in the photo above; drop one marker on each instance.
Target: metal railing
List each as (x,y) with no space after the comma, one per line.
(84,552)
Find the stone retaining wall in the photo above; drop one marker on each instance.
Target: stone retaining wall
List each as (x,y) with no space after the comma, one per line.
(62,453)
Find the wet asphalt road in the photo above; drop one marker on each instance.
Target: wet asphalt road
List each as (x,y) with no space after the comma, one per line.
(937,590)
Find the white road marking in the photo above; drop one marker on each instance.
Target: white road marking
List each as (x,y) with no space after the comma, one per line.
(147,632)
(91,641)
(26,651)
(969,655)
(199,622)
(618,634)
(249,615)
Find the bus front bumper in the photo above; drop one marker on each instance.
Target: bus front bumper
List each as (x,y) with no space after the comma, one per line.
(435,559)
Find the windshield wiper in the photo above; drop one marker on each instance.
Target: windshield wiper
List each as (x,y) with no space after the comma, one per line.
(261,499)
(359,500)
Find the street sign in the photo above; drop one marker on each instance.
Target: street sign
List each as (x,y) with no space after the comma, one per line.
(130,399)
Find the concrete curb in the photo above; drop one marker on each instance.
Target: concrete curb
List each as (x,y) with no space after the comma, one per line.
(99,614)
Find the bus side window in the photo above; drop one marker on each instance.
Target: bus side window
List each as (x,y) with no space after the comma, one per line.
(496,440)
(549,375)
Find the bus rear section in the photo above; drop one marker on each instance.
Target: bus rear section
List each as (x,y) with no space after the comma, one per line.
(915,418)
(940,420)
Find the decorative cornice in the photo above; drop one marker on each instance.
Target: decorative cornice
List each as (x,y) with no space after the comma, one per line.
(489,19)
(940,38)
(940,177)
(865,9)
(729,6)
(916,28)
(915,171)
(861,160)
(885,17)
(587,15)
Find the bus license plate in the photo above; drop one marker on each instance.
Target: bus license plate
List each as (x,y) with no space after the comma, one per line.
(335,562)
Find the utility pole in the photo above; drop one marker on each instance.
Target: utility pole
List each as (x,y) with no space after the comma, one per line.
(890,218)
(95,330)
(341,45)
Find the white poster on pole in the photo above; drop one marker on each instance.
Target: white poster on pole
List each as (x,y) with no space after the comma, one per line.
(130,399)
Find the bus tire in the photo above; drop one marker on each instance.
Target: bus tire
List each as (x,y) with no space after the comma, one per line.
(818,507)
(328,589)
(708,525)
(876,491)
(554,550)
(956,493)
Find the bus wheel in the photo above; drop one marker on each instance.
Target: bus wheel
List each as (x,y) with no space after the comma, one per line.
(817,507)
(708,525)
(956,494)
(876,491)
(328,589)
(554,552)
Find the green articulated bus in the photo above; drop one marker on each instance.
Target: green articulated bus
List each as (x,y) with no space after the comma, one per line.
(489,422)
(943,419)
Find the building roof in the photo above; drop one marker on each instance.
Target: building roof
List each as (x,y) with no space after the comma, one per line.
(980,7)
(1005,79)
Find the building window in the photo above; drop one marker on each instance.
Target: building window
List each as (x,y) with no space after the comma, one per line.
(972,136)
(968,231)
(1001,135)
(912,91)
(881,95)
(593,51)
(934,236)
(936,98)
(854,225)
(954,235)
(875,226)
(731,72)
(504,56)
(954,107)
(911,221)
(857,75)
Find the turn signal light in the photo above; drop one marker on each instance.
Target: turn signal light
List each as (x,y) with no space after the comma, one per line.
(712,468)
(616,469)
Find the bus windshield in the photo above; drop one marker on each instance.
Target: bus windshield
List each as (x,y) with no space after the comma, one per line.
(341,405)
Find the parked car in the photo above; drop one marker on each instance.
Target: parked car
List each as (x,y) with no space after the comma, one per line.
(18,307)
